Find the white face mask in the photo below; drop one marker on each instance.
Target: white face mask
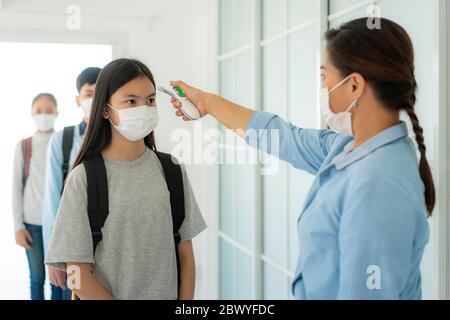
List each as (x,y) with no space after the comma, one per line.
(44,122)
(86,105)
(341,122)
(136,123)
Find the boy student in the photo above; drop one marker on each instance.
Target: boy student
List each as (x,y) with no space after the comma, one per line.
(28,183)
(61,153)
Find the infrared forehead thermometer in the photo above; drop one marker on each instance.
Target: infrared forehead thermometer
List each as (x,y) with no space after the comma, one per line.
(188,109)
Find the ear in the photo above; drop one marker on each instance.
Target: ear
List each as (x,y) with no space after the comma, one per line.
(105,114)
(358,85)
(78,100)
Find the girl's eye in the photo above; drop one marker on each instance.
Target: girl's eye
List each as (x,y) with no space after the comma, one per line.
(152,101)
(131,101)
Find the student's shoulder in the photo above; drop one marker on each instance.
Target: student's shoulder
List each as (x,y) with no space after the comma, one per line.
(152,156)
(21,141)
(77,176)
(56,138)
(19,144)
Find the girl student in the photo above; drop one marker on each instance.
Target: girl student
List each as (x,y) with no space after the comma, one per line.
(28,183)
(135,258)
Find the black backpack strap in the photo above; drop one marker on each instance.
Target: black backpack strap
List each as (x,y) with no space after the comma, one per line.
(26,153)
(174,180)
(67,144)
(97,192)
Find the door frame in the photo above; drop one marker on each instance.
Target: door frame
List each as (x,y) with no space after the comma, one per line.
(440,222)
(442,12)
(116,40)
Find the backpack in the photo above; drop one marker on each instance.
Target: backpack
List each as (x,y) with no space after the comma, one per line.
(98,205)
(26,152)
(67,144)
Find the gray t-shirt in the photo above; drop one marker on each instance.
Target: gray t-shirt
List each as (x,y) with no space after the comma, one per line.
(136,259)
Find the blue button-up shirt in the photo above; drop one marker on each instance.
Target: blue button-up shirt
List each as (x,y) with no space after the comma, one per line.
(54,178)
(363,228)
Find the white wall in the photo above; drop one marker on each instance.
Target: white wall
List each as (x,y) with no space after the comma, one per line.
(177,39)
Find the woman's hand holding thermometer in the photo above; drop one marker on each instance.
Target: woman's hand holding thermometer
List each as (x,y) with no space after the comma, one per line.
(231,115)
(186,108)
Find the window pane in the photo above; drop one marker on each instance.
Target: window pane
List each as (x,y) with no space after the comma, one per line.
(274,17)
(227,79)
(275,283)
(245,79)
(303,78)
(227,200)
(359,13)
(244,22)
(245,209)
(275,77)
(226,26)
(301,11)
(226,270)
(274,186)
(337,5)
(244,276)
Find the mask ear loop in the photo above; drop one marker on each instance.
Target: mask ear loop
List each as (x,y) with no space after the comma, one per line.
(112,107)
(340,83)
(106,115)
(354,105)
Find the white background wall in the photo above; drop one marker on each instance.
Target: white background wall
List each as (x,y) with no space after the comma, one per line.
(177,39)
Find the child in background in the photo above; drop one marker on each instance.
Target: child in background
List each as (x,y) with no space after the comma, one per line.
(61,152)
(28,186)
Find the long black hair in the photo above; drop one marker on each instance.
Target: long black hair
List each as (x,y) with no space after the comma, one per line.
(385,58)
(113,76)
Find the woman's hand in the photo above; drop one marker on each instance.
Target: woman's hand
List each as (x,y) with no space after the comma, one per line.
(196,96)
(231,115)
(24,239)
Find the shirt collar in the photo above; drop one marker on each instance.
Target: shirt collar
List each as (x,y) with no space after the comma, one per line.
(82,126)
(388,136)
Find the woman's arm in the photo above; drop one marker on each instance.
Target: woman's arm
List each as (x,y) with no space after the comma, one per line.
(81,280)
(231,115)
(304,149)
(187,272)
